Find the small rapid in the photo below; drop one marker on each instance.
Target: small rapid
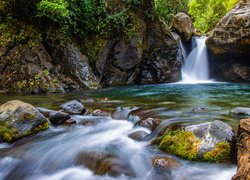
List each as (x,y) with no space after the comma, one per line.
(79,152)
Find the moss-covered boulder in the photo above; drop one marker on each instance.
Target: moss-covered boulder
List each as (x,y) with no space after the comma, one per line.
(19,119)
(206,142)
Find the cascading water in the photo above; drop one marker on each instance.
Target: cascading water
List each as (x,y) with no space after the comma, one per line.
(195,67)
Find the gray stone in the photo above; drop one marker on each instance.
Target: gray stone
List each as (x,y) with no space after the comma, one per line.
(57,117)
(73,107)
(183,24)
(240,111)
(211,133)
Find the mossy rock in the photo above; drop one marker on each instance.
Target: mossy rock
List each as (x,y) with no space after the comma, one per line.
(220,153)
(181,143)
(186,145)
(19,119)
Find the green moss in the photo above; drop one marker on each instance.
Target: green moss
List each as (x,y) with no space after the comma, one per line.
(7,133)
(157,140)
(41,127)
(220,153)
(10,134)
(181,143)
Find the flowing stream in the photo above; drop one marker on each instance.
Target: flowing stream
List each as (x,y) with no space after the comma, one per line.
(75,152)
(195,68)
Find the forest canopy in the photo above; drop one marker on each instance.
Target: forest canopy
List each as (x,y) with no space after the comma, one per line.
(92,16)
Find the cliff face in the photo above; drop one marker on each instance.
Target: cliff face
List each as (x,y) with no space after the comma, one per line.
(148,56)
(33,61)
(230,45)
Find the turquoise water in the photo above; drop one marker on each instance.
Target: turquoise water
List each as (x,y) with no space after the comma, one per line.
(168,100)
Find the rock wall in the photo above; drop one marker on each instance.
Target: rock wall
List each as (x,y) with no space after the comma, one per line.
(35,61)
(230,45)
(243,148)
(148,56)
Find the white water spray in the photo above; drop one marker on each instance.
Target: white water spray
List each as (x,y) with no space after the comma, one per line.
(195,67)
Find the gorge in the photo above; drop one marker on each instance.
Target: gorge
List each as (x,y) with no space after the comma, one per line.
(110,90)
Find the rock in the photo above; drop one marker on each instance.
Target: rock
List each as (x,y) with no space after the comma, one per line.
(211,134)
(183,24)
(98,112)
(240,111)
(73,107)
(165,163)
(138,135)
(57,117)
(160,63)
(243,148)
(150,123)
(102,163)
(147,54)
(44,111)
(210,141)
(229,43)
(19,119)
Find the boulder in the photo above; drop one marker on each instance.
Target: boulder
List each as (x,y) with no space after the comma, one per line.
(243,150)
(103,163)
(229,43)
(57,117)
(240,111)
(73,107)
(98,112)
(138,135)
(19,119)
(210,141)
(165,163)
(44,111)
(183,24)
(211,133)
(150,123)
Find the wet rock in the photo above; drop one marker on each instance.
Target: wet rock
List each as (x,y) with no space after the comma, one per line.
(102,163)
(73,107)
(44,111)
(165,163)
(57,117)
(150,123)
(229,43)
(138,135)
(19,119)
(98,112)
(211,133)
(183,24)
(210,141)
(243,148)
(240,111)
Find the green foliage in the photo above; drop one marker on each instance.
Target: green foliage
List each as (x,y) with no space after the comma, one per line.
(220,153)
(181,143)
(207,13)
(166,9)
(56,10)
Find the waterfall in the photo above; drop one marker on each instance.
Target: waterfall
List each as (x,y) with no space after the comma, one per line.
(195,68)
